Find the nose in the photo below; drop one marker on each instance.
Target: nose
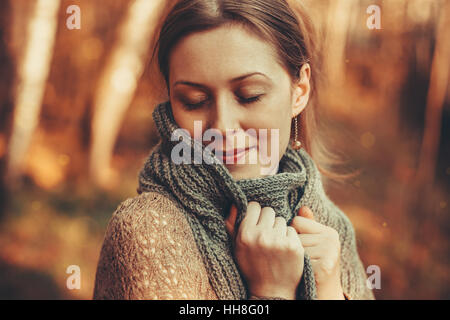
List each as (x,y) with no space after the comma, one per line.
(225,117)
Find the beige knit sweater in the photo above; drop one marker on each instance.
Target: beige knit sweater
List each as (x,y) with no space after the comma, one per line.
(149,252)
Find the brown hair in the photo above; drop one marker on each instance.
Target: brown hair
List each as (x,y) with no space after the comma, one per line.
(284,24)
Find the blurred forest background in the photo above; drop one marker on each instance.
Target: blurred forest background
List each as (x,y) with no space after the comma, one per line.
(76,127)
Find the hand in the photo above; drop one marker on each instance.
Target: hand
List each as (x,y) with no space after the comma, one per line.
(322,244)
(269,253)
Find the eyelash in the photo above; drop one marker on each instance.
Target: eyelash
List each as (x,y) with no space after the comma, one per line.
(244,101)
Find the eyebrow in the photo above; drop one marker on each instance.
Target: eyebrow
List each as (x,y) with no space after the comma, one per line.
(193,84)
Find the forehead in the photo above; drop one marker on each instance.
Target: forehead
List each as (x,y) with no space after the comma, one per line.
(222,54)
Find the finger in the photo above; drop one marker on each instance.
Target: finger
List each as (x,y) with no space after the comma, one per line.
(252,215)
(305,225)
(293,236)
(306,213)
(280,226)
(231,220)
(290,232)
(315,264)
(309,239)
(267,217)
(314,252)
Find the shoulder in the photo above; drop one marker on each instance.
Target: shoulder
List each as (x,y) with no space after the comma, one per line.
(150,224)
(149,251)
(143,227)
(146,205)
(149,213)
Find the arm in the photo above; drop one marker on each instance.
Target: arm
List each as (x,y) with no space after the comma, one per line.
(147,253)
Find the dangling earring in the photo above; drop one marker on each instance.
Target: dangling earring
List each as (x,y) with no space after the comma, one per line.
(296,144)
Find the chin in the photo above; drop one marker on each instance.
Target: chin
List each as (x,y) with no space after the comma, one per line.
(244,171)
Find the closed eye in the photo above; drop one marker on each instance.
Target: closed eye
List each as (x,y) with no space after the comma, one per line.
(195,105)
(191,106)
(251,100)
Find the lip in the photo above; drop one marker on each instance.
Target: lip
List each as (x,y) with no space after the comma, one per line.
(234,154)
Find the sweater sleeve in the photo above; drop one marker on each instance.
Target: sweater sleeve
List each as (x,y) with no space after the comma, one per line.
(355,278)
(149,253)
(353,274)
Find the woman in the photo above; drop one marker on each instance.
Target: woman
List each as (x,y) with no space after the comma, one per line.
(215,219)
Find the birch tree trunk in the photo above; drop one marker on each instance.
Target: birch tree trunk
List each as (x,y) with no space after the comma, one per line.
(32,75)
(118,84)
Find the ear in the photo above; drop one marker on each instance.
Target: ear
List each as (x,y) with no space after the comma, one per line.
(302,91)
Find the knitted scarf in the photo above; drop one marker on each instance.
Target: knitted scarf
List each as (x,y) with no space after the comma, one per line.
(205,192)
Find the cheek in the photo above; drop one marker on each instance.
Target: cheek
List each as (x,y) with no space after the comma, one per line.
(278,116)
(186,119)
(273,113)
(278,125)
(283,120)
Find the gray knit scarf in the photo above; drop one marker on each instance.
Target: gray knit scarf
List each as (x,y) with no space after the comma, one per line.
(205,192)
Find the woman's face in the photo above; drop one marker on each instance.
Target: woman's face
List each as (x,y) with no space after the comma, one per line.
(228,78)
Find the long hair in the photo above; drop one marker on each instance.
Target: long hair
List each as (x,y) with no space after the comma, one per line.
(283,24)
